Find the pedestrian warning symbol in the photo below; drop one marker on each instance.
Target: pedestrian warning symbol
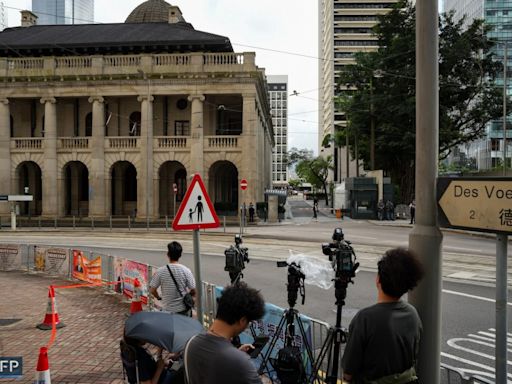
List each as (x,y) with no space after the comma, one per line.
(196,211)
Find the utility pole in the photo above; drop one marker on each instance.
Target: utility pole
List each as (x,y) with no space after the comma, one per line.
(426,238)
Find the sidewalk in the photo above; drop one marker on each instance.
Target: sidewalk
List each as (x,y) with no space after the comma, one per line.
(85,351)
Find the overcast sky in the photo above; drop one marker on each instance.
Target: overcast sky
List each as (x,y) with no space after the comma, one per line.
(268,27)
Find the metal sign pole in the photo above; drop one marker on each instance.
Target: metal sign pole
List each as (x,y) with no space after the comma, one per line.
(197,273)
(501,308)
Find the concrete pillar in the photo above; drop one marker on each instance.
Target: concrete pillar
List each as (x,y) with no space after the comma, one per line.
(51,189)
(5,153)
(145,179)
(273,213)
(97,180)
(197,136)
(251,145)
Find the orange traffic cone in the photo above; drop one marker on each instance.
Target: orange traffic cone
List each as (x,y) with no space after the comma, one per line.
(47,322)
(43,368)
(136,304)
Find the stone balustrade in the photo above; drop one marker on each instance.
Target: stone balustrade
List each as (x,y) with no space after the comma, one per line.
(122,143)
(221,142)
(171,142)
(74,143)
(27,144)
(126,65)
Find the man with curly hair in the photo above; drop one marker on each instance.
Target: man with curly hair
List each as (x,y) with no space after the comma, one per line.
(210,358)
(383,341)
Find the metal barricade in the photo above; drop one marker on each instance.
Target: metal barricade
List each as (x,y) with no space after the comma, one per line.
(209,303)
(452,375)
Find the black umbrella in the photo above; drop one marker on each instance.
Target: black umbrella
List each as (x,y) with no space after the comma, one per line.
(166,330)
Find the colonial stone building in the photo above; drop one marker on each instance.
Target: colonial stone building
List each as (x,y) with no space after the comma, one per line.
(104,119)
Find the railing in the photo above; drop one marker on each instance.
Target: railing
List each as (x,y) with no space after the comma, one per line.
(73,62)
(74,143)
(223,58)
(122,61)
(25,63)
(452,375)
(27,143)
(122,142)
(174,60)
(222,142)
(171,142)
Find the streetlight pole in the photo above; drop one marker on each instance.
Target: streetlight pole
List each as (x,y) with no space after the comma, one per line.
(505,68)
(372,128)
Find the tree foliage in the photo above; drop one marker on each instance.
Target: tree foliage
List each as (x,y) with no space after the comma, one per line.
(315,171)
(468,99)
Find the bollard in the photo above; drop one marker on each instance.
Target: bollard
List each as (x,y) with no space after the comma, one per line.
(92,222)
(110,220)
(129,223)
(110,268)
(147,223)
(224,219)
(39,223)
(55,222)
(166,223)
(73,221)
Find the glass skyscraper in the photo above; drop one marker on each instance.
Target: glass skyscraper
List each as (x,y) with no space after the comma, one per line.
(64,11)
(497,14)
(278,95)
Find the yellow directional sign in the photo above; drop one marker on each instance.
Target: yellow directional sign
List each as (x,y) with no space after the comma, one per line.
(481,204)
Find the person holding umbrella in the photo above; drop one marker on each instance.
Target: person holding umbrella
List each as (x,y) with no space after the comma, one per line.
(139,366)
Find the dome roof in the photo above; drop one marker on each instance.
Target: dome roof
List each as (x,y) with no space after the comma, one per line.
(151,11)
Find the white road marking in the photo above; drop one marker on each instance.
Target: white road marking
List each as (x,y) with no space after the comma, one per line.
(493,330)
(453,343)
(470,362)
(471,296)
(472,250)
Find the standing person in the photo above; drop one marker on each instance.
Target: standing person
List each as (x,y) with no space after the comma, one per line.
(210,358)
(380,210)
(172,293)
(412,210)
(384,338)
(251,212)
(390,210)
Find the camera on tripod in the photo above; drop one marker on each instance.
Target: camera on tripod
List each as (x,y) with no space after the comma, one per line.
(295,282)
(236,257)
(341,254)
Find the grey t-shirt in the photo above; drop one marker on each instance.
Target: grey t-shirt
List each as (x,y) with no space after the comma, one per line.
(383,340)
(214,360)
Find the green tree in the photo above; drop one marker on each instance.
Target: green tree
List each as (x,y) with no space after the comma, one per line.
(468,98)
(315,171)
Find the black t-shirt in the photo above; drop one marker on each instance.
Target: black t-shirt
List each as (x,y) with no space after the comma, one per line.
(383,340)
(214,360)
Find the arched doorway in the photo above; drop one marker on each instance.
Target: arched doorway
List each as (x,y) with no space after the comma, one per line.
(171,172)
(76,189)
(29,182)
(124,189)
(223,188)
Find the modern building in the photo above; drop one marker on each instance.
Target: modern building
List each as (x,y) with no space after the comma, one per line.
(278,95)
(488,152)
(345,27)
(63,11)
(104,119)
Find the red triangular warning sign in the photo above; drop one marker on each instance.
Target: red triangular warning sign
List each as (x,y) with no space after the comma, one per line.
(196,210)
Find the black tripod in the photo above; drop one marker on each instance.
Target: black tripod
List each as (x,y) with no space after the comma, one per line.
(345,269)
(289,365)
(236,277)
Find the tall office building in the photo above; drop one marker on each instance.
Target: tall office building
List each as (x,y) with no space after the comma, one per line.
(3,16)
(497,14)
(345,27)
(278,97)
(63,11)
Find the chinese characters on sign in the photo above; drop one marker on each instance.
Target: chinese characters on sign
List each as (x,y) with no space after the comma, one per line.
(506,217)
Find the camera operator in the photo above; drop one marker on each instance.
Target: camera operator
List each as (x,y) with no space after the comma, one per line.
(384,338)
(210,358)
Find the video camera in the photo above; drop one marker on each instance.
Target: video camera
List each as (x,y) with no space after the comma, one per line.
(295,282)
(343,259)
(236,257)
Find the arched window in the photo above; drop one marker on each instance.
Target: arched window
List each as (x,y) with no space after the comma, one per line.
(134,128)
(88,124)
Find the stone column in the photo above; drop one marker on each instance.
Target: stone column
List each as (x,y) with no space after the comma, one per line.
(145,179)
(5,153)
(51,189)
(250,149)
(97,182)
(197,136)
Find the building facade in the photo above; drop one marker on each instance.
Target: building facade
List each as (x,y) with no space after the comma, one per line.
(345,27)
(63,11)
(3,16)
(140,107)
(497,14)
(278,95)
